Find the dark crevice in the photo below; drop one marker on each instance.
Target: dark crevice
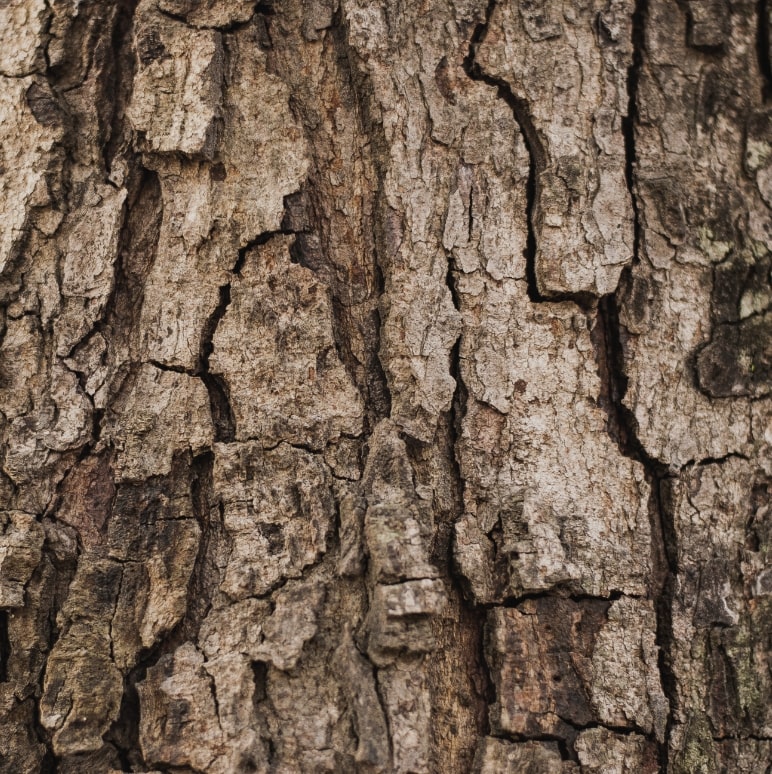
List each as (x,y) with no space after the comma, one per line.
(355,285)
(566,740)
(199,591)
(537,162)
(5,646)
(585,301)
(566,753)
(622,424)
(623,428)
(219,403)
(561,593)
(124,734)
(219,398)
(530,244)
(715,460)
(763,46)
(138,241)
(260,9)
(116,93)
(215,699)
(376,215)
(608,339)
(265,9)
(261,239)
(166,367)
(632,730)
(486,690)
(379,384)
(171,15)
(471,614)
(531,140)
(630,120)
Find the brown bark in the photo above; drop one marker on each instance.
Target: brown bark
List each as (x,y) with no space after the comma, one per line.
(386,387)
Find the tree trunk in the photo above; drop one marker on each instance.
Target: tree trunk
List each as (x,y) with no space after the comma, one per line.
(386,386)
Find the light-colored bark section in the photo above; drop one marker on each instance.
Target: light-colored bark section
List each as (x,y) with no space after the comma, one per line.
(286,380)
(537,459)
(28,144)
(691,235)
(566,66)
(190,105)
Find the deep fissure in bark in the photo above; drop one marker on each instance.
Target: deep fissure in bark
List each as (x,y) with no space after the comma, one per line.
(373,132)
(622,427)
(560,590)
(629,121)
(531,140)
(124,734)
(622,424)
(143,213)
(764,45)
(5,646)
(205,570)
(223,418)
(118,86)
(475,614)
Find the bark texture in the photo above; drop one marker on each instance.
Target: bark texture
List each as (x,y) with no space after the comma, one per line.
(386,386)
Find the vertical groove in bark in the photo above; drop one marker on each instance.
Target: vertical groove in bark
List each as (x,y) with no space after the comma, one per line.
(519,109)
(764,45)
(5,646)
(222,412)
(622,428)
(622,424)
(375,144)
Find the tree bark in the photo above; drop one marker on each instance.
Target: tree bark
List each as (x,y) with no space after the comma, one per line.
(386,387)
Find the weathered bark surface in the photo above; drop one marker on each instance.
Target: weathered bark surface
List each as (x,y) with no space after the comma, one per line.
(386,387)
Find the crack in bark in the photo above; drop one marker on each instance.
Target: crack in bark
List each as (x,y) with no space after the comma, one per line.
(763,45)
(223,418)
(537,163)
(621,422)
(560,591)
(5,646)
(531,140)
(377,393)
(622,427)
(715,460)
(372,128)
(260,9)
(566,753)
(629,121)
(138,242)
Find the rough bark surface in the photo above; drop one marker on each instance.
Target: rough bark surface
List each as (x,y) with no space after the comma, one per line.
(386,386)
